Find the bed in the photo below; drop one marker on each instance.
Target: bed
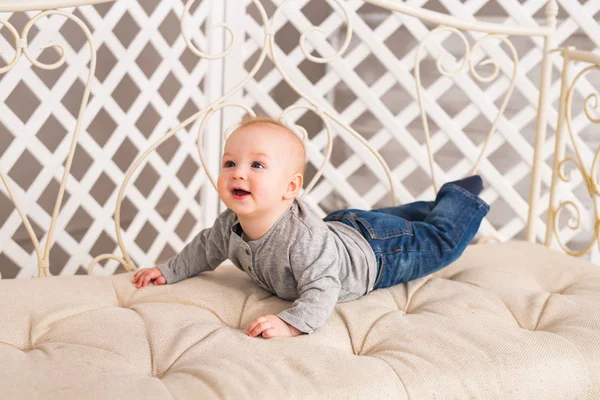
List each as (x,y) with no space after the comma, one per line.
(515,319)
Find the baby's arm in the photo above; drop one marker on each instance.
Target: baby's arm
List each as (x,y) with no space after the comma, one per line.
(316,303)
(316,269)
(204,253)
(306,314)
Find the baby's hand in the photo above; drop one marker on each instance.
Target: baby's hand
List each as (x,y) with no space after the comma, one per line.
(271,326)
(145,275)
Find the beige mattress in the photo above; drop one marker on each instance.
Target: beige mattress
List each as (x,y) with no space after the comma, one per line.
(506,321)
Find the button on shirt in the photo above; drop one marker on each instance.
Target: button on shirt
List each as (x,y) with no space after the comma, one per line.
(301,258)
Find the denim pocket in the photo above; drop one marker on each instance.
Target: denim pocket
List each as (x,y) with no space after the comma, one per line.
(380,267)
(383,226)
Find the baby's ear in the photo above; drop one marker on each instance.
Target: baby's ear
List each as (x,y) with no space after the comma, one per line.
(294,186)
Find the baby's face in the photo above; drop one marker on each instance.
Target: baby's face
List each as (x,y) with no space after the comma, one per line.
(255,170)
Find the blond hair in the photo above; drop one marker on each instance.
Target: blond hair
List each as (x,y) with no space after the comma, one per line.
(249,119)
(262,119)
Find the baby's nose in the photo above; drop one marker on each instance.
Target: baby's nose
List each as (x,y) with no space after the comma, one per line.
(238,173)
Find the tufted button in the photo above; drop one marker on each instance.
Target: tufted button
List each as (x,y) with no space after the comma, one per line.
(248,251)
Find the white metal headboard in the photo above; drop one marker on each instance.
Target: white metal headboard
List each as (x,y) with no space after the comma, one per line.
(590,174)
(447,25)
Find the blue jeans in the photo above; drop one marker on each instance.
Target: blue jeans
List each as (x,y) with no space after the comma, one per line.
(417,239)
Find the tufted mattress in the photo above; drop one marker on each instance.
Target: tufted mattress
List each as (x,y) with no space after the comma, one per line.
(506,321)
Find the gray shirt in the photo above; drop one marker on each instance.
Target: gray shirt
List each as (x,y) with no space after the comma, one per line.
(301,258)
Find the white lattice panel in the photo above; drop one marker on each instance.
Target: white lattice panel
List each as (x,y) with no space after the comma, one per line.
(146,83)
(372,87)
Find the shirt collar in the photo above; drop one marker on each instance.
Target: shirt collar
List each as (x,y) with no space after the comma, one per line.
(237,228)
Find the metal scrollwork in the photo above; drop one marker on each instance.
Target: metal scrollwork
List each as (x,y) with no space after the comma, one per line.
(321,111)
(204,114)
(22,47)
(589,177)
(466,60)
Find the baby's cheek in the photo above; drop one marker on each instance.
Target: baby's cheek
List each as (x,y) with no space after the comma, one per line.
(221,185)
(268,193)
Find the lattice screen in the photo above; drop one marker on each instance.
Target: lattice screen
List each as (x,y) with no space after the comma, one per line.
(147,81)
(372,87)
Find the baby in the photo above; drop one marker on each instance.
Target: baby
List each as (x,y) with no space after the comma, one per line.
(289,251)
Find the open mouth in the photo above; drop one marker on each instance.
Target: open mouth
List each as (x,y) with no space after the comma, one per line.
(239,193)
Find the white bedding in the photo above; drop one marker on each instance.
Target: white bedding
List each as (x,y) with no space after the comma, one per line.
(506,321)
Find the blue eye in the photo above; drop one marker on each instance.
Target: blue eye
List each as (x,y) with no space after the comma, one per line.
(229,164)
(257,165)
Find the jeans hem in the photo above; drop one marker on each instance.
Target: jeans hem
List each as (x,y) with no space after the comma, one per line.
(452,186)
(475,214)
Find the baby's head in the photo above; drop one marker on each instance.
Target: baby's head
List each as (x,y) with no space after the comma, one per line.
(261,169)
